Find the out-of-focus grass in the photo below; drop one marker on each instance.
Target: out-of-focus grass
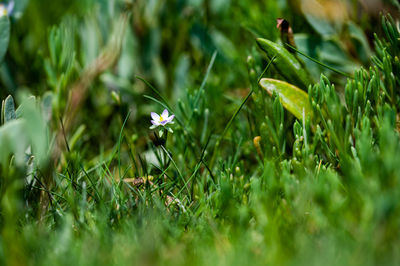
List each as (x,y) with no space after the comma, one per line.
(96,186)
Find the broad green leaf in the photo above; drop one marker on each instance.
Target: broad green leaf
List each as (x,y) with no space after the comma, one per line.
(4,36)
(317,15)
(9,109)
(35,126)
(14,141)
(322,26)
(286,63)
(360,41)
(293,99)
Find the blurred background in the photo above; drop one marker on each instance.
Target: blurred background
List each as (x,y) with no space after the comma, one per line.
(170,44)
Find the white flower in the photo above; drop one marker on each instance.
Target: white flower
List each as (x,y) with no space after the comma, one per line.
(161,120)
(5,10)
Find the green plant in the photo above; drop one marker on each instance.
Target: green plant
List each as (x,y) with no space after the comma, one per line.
(268,169)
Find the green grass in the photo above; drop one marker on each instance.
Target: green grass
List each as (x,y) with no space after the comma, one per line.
(241,180)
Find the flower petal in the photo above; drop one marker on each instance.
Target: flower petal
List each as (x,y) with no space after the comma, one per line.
(155,116)
(165,114)
(169,119)
(156,123)
(10,7)
(164,122)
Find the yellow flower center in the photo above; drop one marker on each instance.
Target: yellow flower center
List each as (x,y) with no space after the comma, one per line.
(161,118)
(3,10)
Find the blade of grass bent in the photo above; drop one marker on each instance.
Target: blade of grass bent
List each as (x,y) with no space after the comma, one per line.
(155,91)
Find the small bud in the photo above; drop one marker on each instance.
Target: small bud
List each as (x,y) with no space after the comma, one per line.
(256,142)
(237,169)
(115,96)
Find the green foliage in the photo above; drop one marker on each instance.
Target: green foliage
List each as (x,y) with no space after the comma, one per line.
(263,167)
(23,128)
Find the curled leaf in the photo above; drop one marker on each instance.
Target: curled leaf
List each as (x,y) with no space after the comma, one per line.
(286,63)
